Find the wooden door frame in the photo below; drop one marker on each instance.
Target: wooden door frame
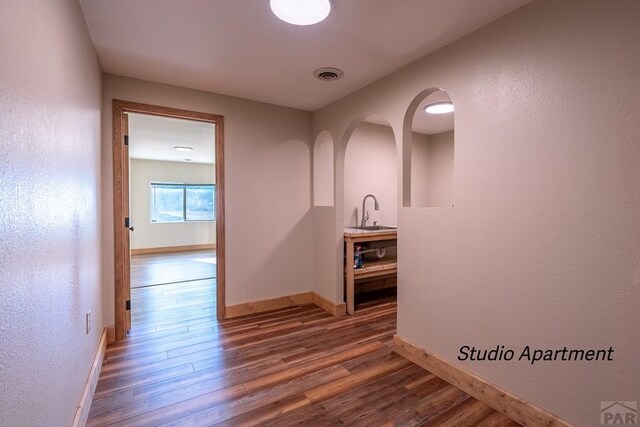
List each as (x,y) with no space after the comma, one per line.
(119,109)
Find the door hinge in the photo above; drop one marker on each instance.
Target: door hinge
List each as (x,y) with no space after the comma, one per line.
(128,305)
(126,140)
(127,222)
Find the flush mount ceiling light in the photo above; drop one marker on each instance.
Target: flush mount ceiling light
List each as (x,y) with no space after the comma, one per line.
(182,148)
(187,160)
(439,108)
(301,12)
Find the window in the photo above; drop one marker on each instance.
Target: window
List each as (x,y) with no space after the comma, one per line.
(199,201)
(182,202)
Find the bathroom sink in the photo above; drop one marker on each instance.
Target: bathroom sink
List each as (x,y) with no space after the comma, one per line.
(376,228)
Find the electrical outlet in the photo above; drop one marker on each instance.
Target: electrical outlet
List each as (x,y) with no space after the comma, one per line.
(88,321)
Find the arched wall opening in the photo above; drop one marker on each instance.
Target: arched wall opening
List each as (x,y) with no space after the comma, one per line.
(428,152)
(367,195)
(323,170)
(371,167)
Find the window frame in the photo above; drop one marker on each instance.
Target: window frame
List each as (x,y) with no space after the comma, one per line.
(184,202)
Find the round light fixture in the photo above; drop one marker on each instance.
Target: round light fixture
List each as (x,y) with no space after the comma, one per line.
(301,12)
(439,108)
(187,160)
(182,148)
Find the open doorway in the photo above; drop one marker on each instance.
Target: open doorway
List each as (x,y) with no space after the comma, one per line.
(172,214)
(169,194)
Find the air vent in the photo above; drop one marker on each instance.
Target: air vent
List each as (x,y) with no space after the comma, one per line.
(327,74)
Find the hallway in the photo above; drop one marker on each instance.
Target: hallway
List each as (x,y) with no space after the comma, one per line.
(294,366)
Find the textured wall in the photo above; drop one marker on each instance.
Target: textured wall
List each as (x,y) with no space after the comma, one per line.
(49,210)
(268,188)
(542,246)
(155,235)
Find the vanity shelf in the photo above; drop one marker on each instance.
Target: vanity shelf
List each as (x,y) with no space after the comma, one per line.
(384,267)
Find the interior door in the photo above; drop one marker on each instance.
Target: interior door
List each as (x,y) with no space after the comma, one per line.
(129,227)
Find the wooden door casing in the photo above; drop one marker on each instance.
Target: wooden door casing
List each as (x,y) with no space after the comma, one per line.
(121,204)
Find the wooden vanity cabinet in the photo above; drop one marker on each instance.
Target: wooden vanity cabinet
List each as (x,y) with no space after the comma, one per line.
(384,267)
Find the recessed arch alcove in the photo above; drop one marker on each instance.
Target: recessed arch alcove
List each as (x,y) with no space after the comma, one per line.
(428,151)
(323,170)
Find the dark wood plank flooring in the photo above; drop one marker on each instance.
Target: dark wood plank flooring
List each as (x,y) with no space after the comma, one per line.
(295,366)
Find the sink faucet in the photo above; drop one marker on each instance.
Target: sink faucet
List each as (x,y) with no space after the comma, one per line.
(376,206)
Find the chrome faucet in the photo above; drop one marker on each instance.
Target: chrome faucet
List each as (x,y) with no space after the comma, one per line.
(376,206)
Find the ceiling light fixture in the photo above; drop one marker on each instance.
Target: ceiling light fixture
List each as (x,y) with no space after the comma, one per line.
(187,160)
(439,108)
(301,12)
(182,148)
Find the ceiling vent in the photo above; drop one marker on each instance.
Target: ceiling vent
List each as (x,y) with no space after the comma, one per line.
(327,74)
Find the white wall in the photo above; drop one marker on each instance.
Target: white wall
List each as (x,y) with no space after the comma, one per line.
(323,170)
(419,169)
(441,169)
(155,235)
(268,189)
(370,167)
(432,168)
(542,246)
(328,253)
(49,210)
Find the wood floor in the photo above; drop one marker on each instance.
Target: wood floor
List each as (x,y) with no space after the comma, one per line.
(156,269)
(295,366)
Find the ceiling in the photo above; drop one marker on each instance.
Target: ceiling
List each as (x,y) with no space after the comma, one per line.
(432,123)
(153,138)
(240,48)
(423,122)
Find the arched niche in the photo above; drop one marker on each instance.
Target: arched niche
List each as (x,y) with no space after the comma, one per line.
(429,129)
(323,170)
(371,167)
